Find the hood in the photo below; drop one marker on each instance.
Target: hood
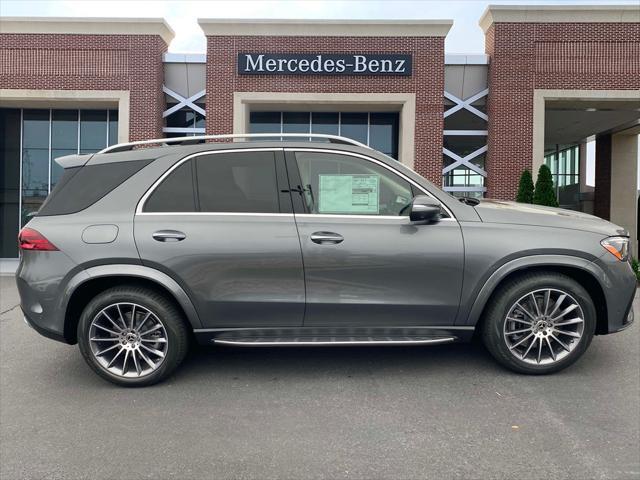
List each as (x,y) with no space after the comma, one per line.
(497,211)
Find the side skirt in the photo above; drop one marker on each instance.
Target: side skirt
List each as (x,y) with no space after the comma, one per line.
(327,336)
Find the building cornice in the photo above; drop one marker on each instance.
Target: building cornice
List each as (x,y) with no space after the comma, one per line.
(558,14)
(325,28)
(88,26)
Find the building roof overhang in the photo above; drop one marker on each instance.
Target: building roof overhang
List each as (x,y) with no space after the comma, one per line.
(88,26)
(558,14)
(325,28)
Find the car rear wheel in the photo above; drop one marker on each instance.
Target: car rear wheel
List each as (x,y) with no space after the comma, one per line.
(539,323)
(132,336)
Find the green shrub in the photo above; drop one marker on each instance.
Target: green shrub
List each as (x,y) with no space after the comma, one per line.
(525,188)
(544,192)
(636,267)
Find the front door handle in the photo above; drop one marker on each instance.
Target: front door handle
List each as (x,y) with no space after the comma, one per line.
(326,238)
(168,236)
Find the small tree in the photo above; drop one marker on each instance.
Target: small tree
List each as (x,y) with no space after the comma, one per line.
(525,188)
(544,192)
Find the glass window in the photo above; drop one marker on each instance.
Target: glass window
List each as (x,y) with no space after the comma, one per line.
(113,127)
(175,193)
(93,130)
(265,122)
(325,123)
(9,181)
(238,182)
(355,125)
(295,122)
(64,139)
(341,184)
(383,133)
(35,161)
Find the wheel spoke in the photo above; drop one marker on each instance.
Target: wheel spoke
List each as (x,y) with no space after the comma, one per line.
(113,360)
(135,362)
(539,349)
(124,363)
(553,354)
(118,327)
(515,332)
(106,329)
(106,339)
(525,311)
(153,329)
(520,320)
(557,304)
(133,315)
(102,352)
(547,300)
(146,359)
(144,320)
(522,340)
(570,308)
(153,350)
(156,340)
(533,342)
(567,332)
(564,345)
(535,303)
(121,316)
(572,321)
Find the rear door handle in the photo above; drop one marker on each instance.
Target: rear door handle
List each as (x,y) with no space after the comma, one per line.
(168,236)
(326,238)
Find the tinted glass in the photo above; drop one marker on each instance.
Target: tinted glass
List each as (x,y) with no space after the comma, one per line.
(238,182)
(113,127)
(264,122)
(175,193)
(295,122)
(383,133)
(340,184)
(9,181)
(81,187)
(93,130)
(325,123)
(355,126)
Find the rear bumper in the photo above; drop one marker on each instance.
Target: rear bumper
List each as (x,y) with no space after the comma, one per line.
(53,335)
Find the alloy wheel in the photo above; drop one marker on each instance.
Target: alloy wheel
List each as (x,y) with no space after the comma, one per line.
(128,340)
(543,326)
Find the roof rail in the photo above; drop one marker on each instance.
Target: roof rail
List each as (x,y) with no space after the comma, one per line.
(123,147)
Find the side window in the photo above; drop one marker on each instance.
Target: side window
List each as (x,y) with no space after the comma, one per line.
(341,184)
(238,182)
(175,193)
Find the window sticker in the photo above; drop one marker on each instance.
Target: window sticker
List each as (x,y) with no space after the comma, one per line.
(349,194)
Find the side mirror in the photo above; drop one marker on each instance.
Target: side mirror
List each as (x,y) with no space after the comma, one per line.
(425,209)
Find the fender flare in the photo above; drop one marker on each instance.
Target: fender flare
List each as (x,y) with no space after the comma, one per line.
(135,271)
(523,263)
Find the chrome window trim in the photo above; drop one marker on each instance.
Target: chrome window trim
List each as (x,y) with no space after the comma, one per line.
(378,162)
(151,189)
(154,185)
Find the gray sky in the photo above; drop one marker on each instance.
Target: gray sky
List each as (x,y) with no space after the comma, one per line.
(464,37)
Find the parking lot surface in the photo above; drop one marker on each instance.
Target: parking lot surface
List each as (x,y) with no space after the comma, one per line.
(395,412)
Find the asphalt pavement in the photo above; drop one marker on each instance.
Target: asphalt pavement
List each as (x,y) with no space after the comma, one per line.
(398,412)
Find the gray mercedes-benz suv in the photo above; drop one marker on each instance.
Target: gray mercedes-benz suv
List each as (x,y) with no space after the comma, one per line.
(139,251)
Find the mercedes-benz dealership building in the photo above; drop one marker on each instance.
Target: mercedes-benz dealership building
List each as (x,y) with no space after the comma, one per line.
(556,85)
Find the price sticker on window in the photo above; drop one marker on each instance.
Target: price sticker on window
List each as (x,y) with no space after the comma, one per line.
(349,194)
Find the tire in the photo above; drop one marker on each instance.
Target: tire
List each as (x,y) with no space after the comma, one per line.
(145,354)
(558,340)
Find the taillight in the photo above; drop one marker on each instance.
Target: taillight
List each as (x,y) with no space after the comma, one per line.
(30,239)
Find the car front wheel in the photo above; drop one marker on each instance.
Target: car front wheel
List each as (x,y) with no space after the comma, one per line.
(132,336)
(539,323)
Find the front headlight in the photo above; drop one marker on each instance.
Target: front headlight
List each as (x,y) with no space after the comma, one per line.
(617,246)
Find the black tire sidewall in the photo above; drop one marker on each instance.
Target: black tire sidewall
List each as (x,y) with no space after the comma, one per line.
(493,332)
(164,310)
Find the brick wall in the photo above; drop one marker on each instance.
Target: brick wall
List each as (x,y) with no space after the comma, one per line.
(91,62)
(427,81)
(527,56)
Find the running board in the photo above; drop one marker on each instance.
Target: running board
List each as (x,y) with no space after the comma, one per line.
(328,341)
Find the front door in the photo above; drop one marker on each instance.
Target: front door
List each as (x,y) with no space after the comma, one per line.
(365,263)
(221,226)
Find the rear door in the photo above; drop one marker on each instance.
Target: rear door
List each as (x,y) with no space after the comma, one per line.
(220,225)
(366,264)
